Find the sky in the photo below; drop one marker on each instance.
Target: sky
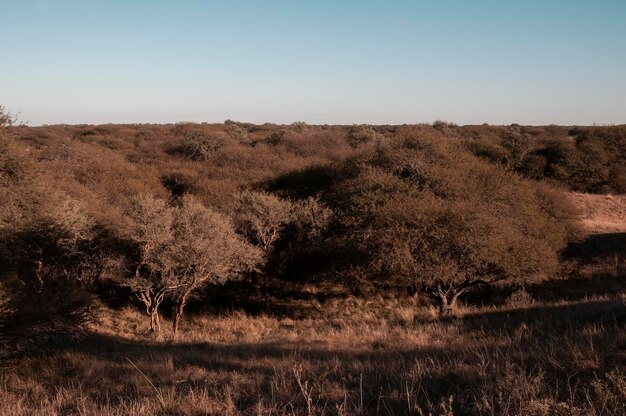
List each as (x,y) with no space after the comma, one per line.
(318,61)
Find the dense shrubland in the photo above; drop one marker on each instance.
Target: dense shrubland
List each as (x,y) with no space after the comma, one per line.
(167,218)
(367,207)
(585,159)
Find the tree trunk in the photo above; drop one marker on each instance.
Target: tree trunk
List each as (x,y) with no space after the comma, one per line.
(447,301)
(155,323)
(152,304)
(179,311)
(445,306)
(446,295)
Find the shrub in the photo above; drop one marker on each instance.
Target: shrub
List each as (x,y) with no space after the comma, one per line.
(6,118)
(360,134)
(490,151)
(47,251)
(178,184)
(520,298)
(198,147)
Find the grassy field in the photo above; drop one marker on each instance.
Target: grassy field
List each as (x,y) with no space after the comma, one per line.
(525,357)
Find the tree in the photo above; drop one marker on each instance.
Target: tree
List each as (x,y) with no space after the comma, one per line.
(44,250)
(150,232)
(276,226)
(204,250)
(262,218)
(310,219)
(6,119)
(45,229)
(452,222)
(519,146)
(445,249)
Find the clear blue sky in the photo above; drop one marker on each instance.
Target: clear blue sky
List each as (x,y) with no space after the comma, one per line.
(341,61)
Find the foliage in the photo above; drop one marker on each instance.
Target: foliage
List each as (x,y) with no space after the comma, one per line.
(324,204)
(585,159)
(444,221)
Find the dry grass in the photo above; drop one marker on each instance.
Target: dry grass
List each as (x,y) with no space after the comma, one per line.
(564,358)
(602,213)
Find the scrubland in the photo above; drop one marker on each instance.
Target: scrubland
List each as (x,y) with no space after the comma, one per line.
(239,269)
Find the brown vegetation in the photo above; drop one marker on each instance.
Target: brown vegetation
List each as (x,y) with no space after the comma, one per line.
(322,228)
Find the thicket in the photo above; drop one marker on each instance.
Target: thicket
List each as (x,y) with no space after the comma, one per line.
(168,214)
(583,159)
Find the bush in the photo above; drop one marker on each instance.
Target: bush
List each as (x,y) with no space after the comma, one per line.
(198,147)
(520,299)
(360,134)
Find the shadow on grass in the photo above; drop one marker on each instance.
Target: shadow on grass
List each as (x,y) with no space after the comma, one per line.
(606,252)
(384,371)
(552,318)
(597,246)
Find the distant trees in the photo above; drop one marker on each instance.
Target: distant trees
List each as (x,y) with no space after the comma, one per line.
(585,159)
(403,204)
(195,144)
(360,134)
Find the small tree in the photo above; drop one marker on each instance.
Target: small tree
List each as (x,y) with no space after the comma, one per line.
(150,233)
(275,225)
(262,219)
(444,250)
(205,250)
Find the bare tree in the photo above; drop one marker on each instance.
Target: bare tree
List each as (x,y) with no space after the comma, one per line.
(6,119)
(205,250)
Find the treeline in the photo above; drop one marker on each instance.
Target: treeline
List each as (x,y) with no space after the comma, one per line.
(149,214)
(584,159)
